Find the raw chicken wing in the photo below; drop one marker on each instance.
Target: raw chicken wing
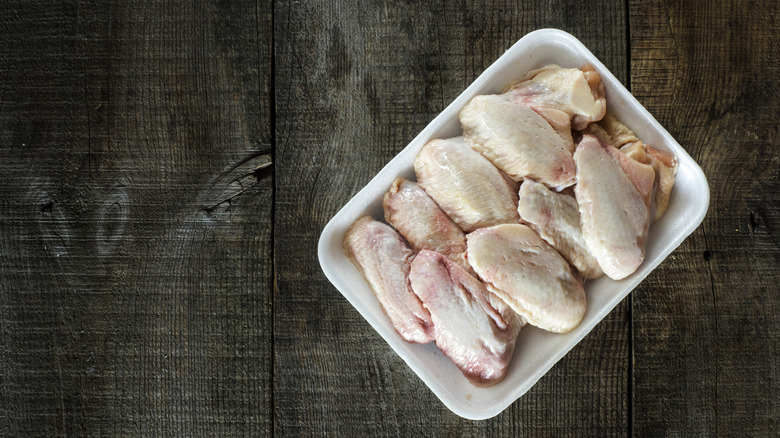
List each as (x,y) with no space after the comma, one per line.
(476,336)
(529,275)
(465,184)
(611,131)
(641,175)
(384,259)
(420,220)
(577,92)
(665,166)
(619,134)
(614,214)
(556,218)
(518,141)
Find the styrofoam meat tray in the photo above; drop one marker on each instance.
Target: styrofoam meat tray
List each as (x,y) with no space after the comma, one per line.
(536,350)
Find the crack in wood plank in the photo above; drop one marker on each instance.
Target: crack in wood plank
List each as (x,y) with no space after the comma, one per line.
(236,181)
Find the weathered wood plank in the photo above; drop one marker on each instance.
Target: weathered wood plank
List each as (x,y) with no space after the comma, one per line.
(135,274)
(355,82)
(707,322)
(135,203)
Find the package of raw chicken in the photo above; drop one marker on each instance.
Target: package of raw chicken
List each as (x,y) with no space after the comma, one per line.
(513,223)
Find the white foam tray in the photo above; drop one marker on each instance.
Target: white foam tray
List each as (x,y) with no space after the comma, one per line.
(536,351)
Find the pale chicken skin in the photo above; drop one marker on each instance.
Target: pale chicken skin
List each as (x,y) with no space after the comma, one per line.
(468,329)
(556,218)
(518,141)
(614,214)
(618,134)
(465,184)
(579,93)
(612,131)
(384,260)
(641,175)
(665,166)
(528,275)
(422,222)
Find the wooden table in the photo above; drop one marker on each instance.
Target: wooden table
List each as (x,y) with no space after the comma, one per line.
(166,169)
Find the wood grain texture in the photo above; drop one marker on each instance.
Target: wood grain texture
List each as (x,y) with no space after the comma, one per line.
(167,168)
(355,82)
(135,274)
(707,322)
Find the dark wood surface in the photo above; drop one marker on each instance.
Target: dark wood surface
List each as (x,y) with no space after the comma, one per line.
(166,169)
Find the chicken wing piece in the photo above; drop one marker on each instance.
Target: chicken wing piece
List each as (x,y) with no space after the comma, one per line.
(619,134)
(577,92)
(384,259)
(665,166)
(614,214)
(529,275)
(641,175)
(556,218)
(597,130)
(468,329)
(465,184)
(612,131)
(420,220)
(518,141)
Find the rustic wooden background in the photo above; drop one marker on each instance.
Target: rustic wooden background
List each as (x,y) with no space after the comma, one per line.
(166,168)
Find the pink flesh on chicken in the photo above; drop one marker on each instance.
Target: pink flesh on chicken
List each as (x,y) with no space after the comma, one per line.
(556,218)
(665,166)
(384,259)
(612,131)
(518,141)
(614,214)
(577,92)
(641,175)
(477,337)
(420,220)
(465,184)
(528,275)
